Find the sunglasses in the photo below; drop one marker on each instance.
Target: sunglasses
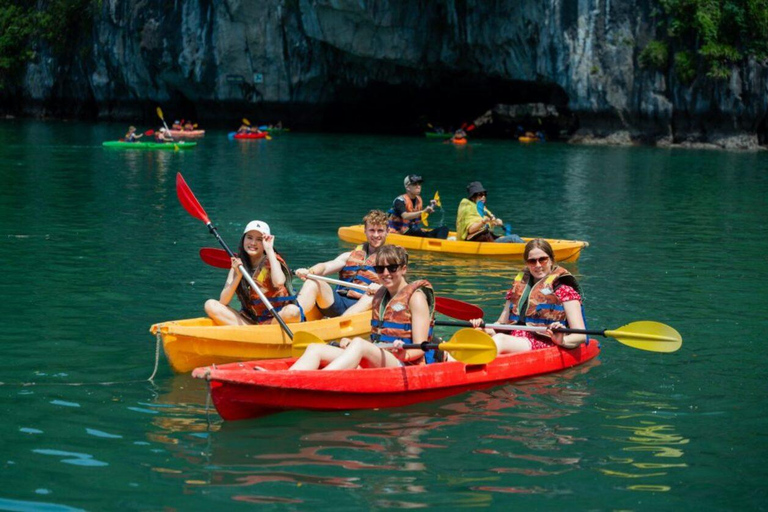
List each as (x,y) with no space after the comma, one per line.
(379,269)
(541,261)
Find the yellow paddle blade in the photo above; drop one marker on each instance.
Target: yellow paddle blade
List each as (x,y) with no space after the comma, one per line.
(470,346)
(159,112)
(268,137)
(424,216)
(647,335)
(246,122)
(301,340)
(437,199)
(175,147)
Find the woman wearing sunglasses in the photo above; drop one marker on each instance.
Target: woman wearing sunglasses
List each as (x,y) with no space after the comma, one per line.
(402,313)
(543,294)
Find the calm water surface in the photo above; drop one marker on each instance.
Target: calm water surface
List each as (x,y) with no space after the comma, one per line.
(95,248)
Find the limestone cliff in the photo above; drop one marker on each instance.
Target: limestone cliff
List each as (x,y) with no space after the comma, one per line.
(358,62)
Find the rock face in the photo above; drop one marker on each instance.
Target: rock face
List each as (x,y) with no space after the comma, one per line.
(358,62)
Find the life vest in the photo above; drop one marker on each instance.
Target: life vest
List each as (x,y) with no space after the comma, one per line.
(398,224)
(543,307)
(392,321)
(358,269)
(278,296)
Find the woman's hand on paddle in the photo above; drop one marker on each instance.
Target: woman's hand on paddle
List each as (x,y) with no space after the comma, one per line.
(397,347)
(478,323)
(301,273)
(269,243)
(372,288)
(556,336)
(236,264)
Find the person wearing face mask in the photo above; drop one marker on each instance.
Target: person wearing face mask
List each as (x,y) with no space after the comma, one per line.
(403,312)
(405,214)
(269,271)
(475,222)
(543,294)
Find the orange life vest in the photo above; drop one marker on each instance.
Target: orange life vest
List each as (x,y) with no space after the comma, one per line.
(398,224)
(543,306)
(392,321)
(278,296)
(358,269)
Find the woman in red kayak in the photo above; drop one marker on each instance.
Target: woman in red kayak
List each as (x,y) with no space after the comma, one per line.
(402,313)
(543,294)
(269,272)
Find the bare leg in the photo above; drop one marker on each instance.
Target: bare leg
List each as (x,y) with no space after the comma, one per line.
(224,315)
(507,344)
(315,355)
(359,350)
(290,313)
(363,304)
(314,292)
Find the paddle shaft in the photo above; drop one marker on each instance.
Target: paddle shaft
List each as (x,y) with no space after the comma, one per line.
(514,327)
(339,282)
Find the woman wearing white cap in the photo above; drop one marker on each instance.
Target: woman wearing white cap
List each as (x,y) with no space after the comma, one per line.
(268,270)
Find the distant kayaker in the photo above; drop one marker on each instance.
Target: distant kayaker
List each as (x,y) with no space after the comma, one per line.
(268,270)
(475,222)
(163,135)
(132,136)
(459,136)
(188,126)
(244,129)
(405,214)
(402,313)
(543,294)
(355,266)
(176,126)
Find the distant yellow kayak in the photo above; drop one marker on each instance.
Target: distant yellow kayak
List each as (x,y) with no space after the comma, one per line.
(565,250)
(196,342)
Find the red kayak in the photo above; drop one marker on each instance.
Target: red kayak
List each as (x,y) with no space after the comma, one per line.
(257,388)
(260,135)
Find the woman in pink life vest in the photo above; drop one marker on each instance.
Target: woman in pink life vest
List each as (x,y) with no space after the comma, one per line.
(543,294)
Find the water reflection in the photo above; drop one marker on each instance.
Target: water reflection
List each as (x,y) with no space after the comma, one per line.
(396,457)
(645,439)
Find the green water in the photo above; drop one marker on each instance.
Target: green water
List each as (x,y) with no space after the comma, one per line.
(95,248)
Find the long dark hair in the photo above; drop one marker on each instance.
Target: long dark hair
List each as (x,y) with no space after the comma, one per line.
(243,289)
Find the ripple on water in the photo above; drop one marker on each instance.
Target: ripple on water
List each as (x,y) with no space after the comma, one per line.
(75,458)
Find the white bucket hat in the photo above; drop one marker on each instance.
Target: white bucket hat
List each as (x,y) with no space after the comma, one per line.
(257,225)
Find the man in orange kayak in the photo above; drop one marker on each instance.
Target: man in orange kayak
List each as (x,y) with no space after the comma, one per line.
(405,214)
(355,266)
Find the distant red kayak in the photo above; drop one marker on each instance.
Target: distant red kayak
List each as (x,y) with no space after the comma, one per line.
(250,135)
(257,388)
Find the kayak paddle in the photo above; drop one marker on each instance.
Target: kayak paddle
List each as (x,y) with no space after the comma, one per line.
(193,207)
(644,335)
(160,115)
(469,346)
(449,307)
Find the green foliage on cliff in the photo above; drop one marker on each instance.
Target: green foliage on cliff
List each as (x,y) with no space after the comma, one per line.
(712,35)
(23,25)
(655,55)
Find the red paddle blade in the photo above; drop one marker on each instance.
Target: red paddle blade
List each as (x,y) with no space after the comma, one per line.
(470,128)
(149,132)
(189,201)
(457,309)
(215,257)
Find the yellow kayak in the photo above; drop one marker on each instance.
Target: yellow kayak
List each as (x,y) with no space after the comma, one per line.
(565,250)
(196,342)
